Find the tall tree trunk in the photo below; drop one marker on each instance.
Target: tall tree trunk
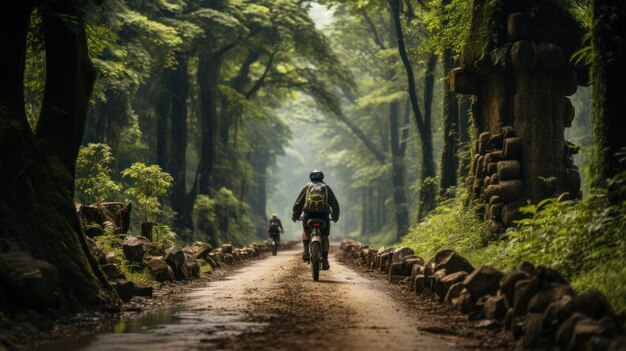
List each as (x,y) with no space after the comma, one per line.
(428,187)
(609,90)
(178,145)
(259,160)
(427,193)
(37,213)
(449,156)
(397,172)
(208,77)
(163,115)
(464,106)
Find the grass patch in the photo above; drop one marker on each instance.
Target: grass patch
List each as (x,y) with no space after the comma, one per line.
(583,240)
(205,268)
(134,272)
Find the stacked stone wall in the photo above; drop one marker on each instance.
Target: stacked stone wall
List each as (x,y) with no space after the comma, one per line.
(522,107)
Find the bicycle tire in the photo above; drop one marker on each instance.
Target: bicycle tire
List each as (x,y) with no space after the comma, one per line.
(315,260)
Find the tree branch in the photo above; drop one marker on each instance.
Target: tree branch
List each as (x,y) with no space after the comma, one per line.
(395,10)
(259,83)
(373,29)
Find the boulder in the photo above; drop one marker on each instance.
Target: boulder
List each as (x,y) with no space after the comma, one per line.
(593,304)
(159,270)
(175,258)
(400,253)
(541,280)
(442,285)
(416,270)
(452,262)
(532,336)
(464,302)
(112,271)
(397,269)
(555,314)
(566,330)
(117,213)
(543,298)
(191,267)
(587,328)
(385,260)
(229,258)
(216,258)
(198,250)
(227,248)
(28,281)
(453,292)
(483,281)
(125,289)
(419,282)
(507,285)
(211,261)
(523,294)
(133,248)
(495,307)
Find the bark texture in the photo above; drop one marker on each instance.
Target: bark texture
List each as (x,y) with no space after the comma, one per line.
(37,213)
(609,90)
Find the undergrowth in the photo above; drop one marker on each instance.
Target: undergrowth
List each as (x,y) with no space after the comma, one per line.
(584,240)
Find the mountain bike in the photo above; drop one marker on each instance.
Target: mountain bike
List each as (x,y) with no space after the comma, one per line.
(315,245)
(274,237)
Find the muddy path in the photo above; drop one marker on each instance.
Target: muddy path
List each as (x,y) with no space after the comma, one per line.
(272,304)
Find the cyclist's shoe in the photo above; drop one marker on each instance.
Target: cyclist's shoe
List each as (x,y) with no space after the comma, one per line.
(306,257)
(325,264)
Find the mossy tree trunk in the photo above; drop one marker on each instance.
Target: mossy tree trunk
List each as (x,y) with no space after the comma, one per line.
(398,151)
(427,192)
(609,88)
(37,213)
(449,156)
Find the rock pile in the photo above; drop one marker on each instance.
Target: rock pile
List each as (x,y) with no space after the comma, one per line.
(535,303)
(165,265)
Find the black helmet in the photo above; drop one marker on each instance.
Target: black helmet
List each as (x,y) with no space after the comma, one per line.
(316,174)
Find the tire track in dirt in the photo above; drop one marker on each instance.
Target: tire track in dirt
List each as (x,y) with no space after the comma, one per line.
(344,310)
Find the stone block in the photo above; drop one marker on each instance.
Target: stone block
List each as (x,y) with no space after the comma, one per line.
(523,55)
(521,26)
(464,82)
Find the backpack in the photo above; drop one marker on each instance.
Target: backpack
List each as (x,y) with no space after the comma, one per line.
(274,227)
(316,198)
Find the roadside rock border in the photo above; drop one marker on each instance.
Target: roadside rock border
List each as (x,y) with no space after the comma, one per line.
(534,303)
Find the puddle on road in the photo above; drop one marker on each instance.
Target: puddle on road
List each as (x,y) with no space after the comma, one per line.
(198,321)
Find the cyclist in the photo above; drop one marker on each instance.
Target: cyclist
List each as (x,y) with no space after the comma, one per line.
(316,200)
(275,227)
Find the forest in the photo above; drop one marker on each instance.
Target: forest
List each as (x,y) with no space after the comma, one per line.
(207,116)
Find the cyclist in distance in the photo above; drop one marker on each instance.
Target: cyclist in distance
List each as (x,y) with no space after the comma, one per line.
(316,200)
(275,227)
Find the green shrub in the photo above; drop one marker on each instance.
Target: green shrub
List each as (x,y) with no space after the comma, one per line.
(93,174)
(163,234)
(149,183)
(222,218)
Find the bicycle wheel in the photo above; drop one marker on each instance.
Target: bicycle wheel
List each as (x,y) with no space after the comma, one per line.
(274,248)
(315,260)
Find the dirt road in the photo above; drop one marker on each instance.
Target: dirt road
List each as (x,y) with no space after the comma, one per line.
(272,304)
